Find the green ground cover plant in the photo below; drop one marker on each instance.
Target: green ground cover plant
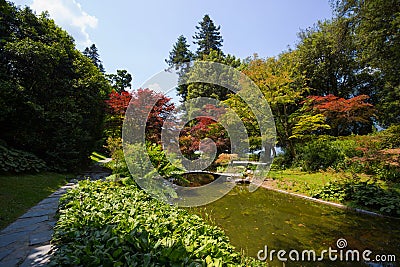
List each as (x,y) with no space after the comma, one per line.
(365,194)
(18,161)
(112,224)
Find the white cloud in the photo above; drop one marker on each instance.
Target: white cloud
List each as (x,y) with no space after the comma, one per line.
(155,87)
(70,16)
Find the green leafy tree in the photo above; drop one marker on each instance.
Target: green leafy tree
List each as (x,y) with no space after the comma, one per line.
(327,55)
(205,89)
(375,25)
(53,95)
(282,86)
(307,125)
(208,37)
(120,81)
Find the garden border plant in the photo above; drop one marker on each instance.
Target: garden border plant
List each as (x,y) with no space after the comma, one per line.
(112,224)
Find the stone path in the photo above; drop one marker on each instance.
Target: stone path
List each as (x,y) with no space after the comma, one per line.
(26,242)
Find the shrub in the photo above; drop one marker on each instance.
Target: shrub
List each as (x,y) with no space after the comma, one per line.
(386,172)
(138,155)
(166,167)
(107,224)
(118,164)
(391,137)
(366,194)
(318,154)
(376,155)
(17,161)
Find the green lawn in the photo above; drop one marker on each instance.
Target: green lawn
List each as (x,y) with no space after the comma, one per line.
(294,180)
(20,192)
(298,181)
(318,178)
(96,157)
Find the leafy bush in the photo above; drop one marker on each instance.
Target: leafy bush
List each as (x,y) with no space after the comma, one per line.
(332,191)
(391,137)
(164,166)
(137,156)
(118,164)
(386,172)
(366,194)
(318,154)
(17,161)
(225,159)
(108,224)
(376,155)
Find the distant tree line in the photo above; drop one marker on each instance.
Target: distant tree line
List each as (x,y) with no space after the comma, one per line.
(342,78)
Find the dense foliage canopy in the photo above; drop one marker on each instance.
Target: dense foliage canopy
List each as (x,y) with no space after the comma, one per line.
(52,96)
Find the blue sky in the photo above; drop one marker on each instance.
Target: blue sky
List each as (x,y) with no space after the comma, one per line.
(138,35)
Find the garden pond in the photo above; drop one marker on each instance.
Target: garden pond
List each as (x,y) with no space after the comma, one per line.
(253,220)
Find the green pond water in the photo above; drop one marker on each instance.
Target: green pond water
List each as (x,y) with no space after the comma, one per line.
(284,222)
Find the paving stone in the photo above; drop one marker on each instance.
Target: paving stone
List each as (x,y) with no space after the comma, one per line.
(16,257)
(51,223)
(37,213)
(9,238)
(24,224)
(5,252)
(47,200)
(22,228)
(40,237)
(49,205)
(11,262)
(38,256)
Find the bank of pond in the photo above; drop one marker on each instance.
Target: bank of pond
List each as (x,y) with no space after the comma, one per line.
(108,223)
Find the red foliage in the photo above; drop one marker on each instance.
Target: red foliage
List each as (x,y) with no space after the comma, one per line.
(333,103)
(342,112)
(204,126)
(161,107)
(140,102)
(118,103)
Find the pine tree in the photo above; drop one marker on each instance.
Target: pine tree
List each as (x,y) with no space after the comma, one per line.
(208,38)
(93,53)
(180,55)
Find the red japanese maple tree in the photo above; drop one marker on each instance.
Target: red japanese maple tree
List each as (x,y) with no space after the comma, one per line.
(343,115)
(140,102)
(204,126)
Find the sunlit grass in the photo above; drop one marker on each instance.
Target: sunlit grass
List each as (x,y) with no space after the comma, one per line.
(96,157)
(20,192)
(295,180)
(317,178)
